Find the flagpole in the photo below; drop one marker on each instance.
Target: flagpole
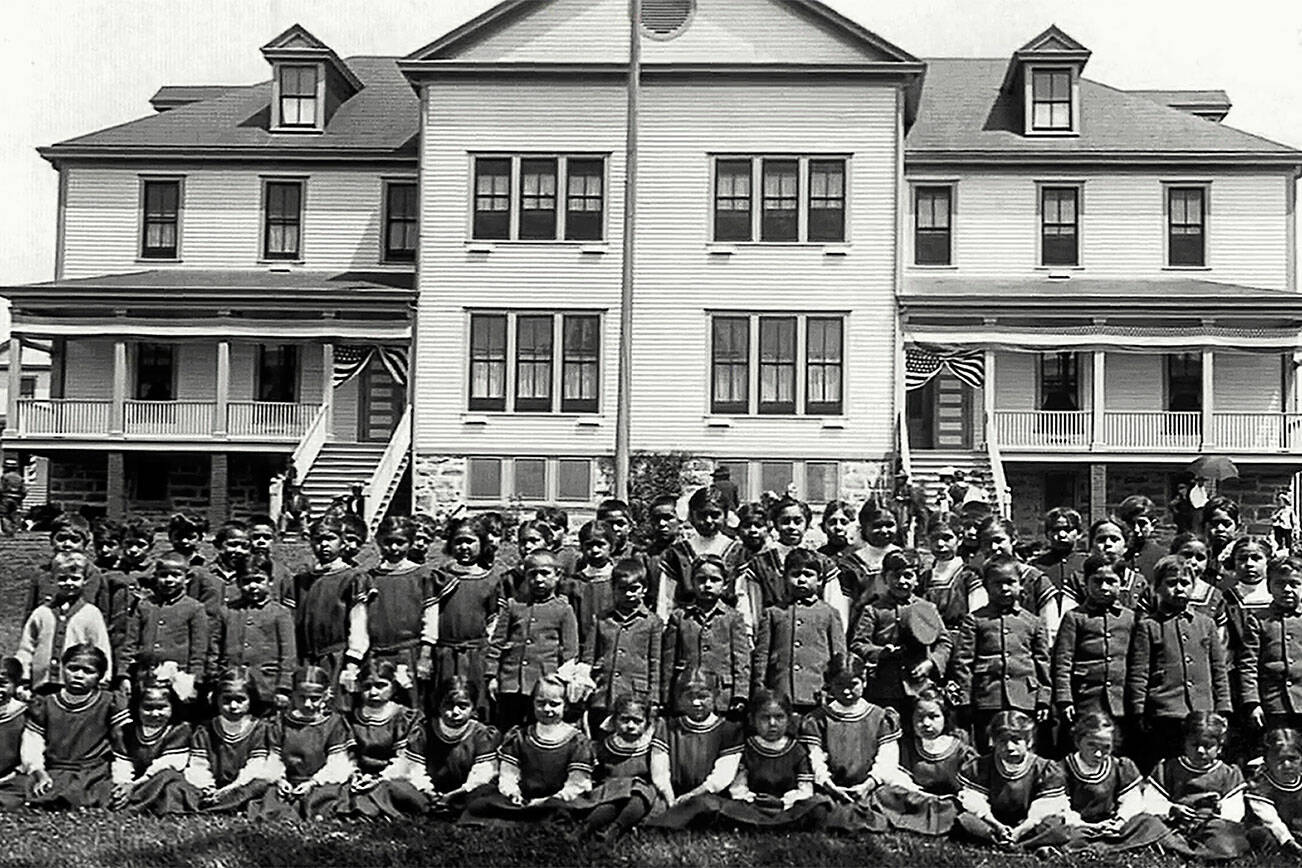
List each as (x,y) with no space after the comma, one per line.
(623,409)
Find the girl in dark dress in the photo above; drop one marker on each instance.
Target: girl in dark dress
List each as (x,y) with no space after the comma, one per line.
(13,718)
(453,758)
(694,754)
(230,755)
(471,596)
(931,759)
(381,730)
(149,776)
(1274,795)
(623,794)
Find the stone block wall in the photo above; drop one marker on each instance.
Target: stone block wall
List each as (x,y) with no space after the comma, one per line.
(79,479)
(1255,490)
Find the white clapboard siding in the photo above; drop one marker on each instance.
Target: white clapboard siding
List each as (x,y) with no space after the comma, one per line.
(678,280)
(1122,226)
(1247,383)
(196,371)
(221,220)
(244,360)
(88,370)
(1015,376)
(345,411)
(1134,381)
(310,362)
(739,31)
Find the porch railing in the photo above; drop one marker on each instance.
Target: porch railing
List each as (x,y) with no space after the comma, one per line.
(1257,432)
(1152,429)
(168,418)
(1043,429)
(62,417)
(269,420)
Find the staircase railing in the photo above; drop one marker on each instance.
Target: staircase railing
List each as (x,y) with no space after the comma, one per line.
(302,458)
(1002,494)
(375,500)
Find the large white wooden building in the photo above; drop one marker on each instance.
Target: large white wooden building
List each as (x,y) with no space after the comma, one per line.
(845,256)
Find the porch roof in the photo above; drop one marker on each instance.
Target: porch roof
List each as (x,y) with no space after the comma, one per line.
(187,291)
(1037,314)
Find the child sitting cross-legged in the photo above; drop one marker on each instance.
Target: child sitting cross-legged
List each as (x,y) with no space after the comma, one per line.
(230,762)
(1105,792)
(381,731)
(148,776)
(854,748)
(1274,795)
(623,794)
(1200,796)
(13,718)
(542,767)
(1008,793)
(452,758)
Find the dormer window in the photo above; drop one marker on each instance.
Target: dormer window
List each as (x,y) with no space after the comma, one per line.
(1051,102)
(299,97)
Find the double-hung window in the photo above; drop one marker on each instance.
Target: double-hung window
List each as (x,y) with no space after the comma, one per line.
(779,199)
(400,222)
(534,362)
(776,364)
(1186,239)
(1060,226)
(298,96)
(160,209)
(1051,100)
(932,234)
(538,198)
(282,236)
(532,480)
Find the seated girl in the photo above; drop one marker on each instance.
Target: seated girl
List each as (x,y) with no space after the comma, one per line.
(149,775)
(230,754)
(695,754)
(1200,796)
(309,753)
(930,758)
(1007,794)
(1105,793)
(1274,796)
(542,768)
(623,795)
(854,747)
(381,729)
(13,719)
(71,735)
(774,786)
(454,756)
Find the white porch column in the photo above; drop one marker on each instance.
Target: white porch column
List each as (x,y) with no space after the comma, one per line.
(328,387)
(1209,387)
(15,384)
(220,423)
(1097,407)
(117,411)
(988,396)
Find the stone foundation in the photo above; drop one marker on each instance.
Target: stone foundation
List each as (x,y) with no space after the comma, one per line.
(438,484)
(79,479)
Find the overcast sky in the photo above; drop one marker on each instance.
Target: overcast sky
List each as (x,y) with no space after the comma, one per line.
(73,66)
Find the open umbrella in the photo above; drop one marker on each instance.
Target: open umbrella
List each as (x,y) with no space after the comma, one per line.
(1214,467)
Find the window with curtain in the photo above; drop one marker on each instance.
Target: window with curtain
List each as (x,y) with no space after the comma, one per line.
(1059,236)
(161,219)
(585,199)
(1186,240)
(732,200)
(400,223)
(538,199)
(282,238)
(533,363)
(827,200)
(932,243)
(780,213)
(488,362)
(777,365)
(823,359)
(492,207)
(580,364)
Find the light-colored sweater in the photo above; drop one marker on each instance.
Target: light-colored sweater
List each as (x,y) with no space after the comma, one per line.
(52,629)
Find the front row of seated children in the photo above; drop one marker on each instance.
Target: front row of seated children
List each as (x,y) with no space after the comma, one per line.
(845,766)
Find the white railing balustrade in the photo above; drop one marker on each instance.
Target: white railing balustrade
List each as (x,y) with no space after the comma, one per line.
(391,464)
(1157,430)
(268,420)
(1043,429)
(168,418)
(1257,432)
(62,417)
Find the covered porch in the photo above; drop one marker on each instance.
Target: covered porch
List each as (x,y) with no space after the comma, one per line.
(1057,367)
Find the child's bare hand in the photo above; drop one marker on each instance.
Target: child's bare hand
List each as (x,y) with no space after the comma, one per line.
(839,792)
(789,799)
(285,788)
(922,670)
(1258,717)
(362,783)
(119,796)
(491,689)
(1041,714)
(1002,834)
(301,790)
(516,799)
(42,782)
(1183,814)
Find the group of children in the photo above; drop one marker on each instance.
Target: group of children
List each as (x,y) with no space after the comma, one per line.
(1076,695)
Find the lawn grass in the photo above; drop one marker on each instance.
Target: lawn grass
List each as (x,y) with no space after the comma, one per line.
(102,838)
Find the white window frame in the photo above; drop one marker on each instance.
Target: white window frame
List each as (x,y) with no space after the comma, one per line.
(1029,99)
(142,181)
(506,466)
(1079,186)
(912,229)
(302,181)
(558,316)
(562,195)
(278,124)
(753,360)
(803,187)
(1177,183)
(749,487)
(386,185)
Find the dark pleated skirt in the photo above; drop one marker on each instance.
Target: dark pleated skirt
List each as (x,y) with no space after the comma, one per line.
(167,792)
(80,787)
(916,812)
(1142,830)
(13,792)
(766,812)
(390,800)
(495,809)
(1213,841)
(319,803)
(239,798)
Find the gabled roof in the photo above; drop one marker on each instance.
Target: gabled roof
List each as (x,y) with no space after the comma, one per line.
(379,122)
(297,43)
(577,29)
(1053,41)
(966,115)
